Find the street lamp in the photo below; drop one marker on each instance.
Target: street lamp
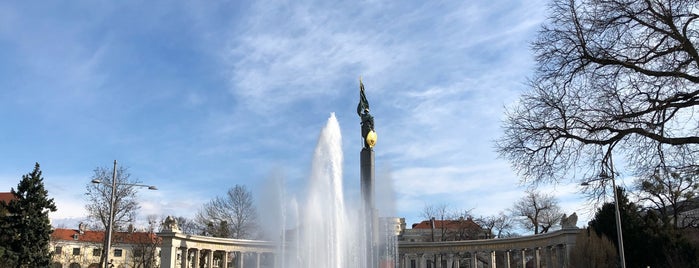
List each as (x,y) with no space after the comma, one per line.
(108,241)
(603,176)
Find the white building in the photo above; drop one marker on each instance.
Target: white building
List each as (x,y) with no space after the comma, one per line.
(82,248)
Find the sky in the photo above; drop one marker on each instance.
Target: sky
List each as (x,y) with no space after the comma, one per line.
(195,97)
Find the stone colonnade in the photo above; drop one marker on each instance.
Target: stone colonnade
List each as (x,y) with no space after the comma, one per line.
(550,250)
(191,251)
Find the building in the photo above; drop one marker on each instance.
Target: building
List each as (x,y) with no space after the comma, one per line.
(5,197)
(442,230)
(82,248)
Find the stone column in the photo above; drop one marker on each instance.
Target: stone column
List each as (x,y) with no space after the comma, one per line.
(474,259)
(257,259)
(537,258)
(183,257)
(549,258)
(422,263)
(493,259)
(241,257)
(524,258)
(224,260)
(168,253)
(438,261)
(210,259)
(195,258)
(507,258)
(450,260)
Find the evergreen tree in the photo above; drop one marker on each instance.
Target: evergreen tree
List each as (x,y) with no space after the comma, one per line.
(25,231)
(648,240)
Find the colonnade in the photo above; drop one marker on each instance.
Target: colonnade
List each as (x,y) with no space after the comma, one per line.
(550,250)
(547,257)
(180,250)
(195,258)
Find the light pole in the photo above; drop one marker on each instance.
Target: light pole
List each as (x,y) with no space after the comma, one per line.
(110,225)
(603,176)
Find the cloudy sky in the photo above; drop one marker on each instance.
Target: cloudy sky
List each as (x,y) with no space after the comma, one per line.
(197,96)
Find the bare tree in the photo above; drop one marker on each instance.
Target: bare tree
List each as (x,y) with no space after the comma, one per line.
(496,225)
(537,212)
(669,190)
(187,225)
(145,245)
(439,213)
(99,194)
(610,74)
(233,216)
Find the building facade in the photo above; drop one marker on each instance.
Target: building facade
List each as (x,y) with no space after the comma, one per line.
(82,248)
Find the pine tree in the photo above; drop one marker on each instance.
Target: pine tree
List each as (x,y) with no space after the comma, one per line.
(26,228)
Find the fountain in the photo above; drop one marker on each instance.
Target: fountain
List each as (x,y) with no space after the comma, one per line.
(325,231)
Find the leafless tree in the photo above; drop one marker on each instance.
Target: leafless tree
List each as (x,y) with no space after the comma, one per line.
(611,74)
(670,190)
(496,225)
(439,213)
(537,212)
(145,245)
(98,196)
(233,215)
(187,225)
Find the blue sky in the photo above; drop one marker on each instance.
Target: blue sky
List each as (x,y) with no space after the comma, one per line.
(197,96)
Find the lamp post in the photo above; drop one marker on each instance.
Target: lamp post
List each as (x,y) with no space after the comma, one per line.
(110,225)
(620,238)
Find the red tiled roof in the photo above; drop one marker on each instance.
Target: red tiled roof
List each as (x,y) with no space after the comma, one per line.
(447,224)
(7,197)
(98,236)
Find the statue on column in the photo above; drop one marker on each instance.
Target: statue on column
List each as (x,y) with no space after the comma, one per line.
(368,133)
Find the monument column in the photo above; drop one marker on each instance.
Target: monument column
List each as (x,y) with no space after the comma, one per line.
(367,178)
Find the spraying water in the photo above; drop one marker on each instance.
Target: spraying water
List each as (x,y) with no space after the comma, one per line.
(322,231)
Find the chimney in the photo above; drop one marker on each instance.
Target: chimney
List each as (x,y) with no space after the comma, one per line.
(81,228)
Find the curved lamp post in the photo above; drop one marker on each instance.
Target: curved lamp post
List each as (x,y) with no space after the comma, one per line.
(602,177)
(108,240)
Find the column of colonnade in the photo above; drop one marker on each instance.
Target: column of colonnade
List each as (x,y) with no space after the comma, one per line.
(554,256)
(192,258)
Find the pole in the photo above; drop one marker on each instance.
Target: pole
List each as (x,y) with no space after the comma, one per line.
(618,225)
(111,218)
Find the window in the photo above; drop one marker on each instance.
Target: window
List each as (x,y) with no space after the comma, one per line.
(76,251)
(117,252)
(97,252)
(58,250)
